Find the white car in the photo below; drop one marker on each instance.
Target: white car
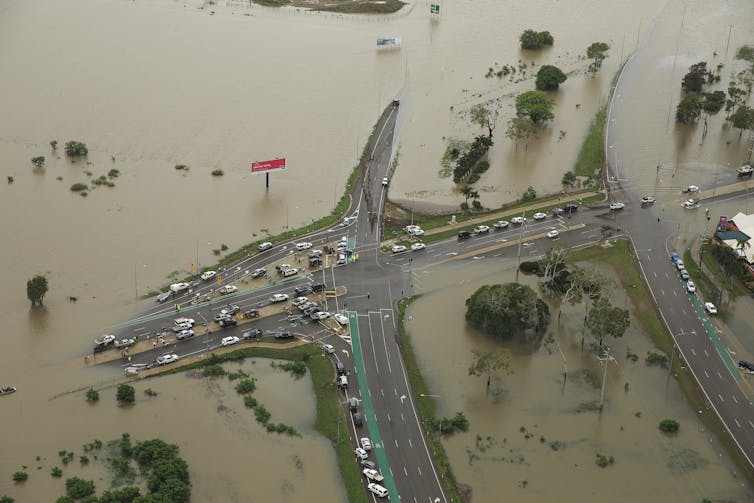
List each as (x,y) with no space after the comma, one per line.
(410,229)
(230,340)
(124,343)
(418,232)
(366,444)
(553,234)
(710,308)
(690,286)
(385,181)
(265,246)
(398,249)
(518,220)
(684,274)
(181,326)
(329,348)
(320,315)
(418,246)
(617,206)
(690,204)
(165,359)
(691,189)
(679,264)
(300,300)
(482,229)
(190,321)
(228,289)
(303,246)
(539,216)
(647,200)
(183,334)
(278,297)
(377,489)
(500,224)
(207,275)
(340,318)
(361,453)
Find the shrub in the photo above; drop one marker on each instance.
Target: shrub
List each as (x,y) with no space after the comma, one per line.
(38,161)
(75,148)
(669,426)
(482,167)
(217,172)
(656,359)
(529,195)
(250,401)
(56,472)
(476,204)
(245,386)
(262,414)
(7,499)
(465,206)
(150,392)
(54,144)
(181,167)
(113,173)
(78,187)
(215,370)
(20,476)
(78,488)
(473,178)
(549,78)
(533,40)
(125,393)
(92,395)
(603,461)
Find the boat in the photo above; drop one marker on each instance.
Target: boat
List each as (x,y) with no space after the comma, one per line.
(7,390)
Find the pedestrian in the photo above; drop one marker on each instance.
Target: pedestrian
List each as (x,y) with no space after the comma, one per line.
(658,219)
(367,295)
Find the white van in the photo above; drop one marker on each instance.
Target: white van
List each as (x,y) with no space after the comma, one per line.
(377,489)
(289,272)
(342,382)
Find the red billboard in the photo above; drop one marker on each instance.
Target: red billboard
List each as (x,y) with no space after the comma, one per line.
(265,166)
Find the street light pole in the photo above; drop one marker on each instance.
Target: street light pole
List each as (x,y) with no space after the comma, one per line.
(520,240)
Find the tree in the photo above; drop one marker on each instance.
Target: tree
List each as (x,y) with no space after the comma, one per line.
(605,319)
(535,105)
(92,395)
(569,179)
(125,393)
(713,102)
(489,363)
(742,118)
(54,144)
(695,78)
(521,129)
(78,488)
(689,109)
(508,311)
(75,148)
(549,78)
(669,426)
(597,52)
(552,267)
(36,288)
(484,117)
(38,161)
(466,192)
(123,495)
(736,97)
(529,194)
(533,40)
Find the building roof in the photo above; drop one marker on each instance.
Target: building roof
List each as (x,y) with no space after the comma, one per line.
(745,224)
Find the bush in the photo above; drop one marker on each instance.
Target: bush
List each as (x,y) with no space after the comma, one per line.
(465,206)
(262,414)
(92,395)
(78,187)
(603,461)
(56,472)
(215,370)
(217,172)
(181,167)
(75,148)
(250,401)
(150,392)
(533,40)
(473,178)
(656,359)
(125,393)
(476,204)
(669,426)
(482,167)
(469,159)
(113,173)
(78,488)
(246,386)
(549,78)
(20,476)
(38,161)
(529,195)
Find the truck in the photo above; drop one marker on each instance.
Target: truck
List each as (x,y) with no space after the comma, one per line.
(179,287)
(373,475)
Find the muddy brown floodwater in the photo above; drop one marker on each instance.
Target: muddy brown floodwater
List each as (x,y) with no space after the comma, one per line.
(532,438)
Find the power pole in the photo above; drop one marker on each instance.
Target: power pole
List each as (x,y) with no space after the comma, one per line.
(604,362)
(520,240)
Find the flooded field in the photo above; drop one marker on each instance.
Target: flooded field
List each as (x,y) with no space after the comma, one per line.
(534,438)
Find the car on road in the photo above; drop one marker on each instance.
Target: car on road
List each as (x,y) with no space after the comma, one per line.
(179,287)
(464,234)
(254,333)
(366,444)
(398,249)
(265,246)
(648,200)
(301,290)
(553,234)
(165,359)
(283,334)
(377,489)
(342,259)
(684,274)
(518,220)
(690,204)
(221,316)
(710,308)
(570,208)
(369,464)
(230,340)
(616,206)
(679,264)
(482,229)
(299,301)
(361,453)
(500,224)
(340,318)
(123,343)
(207,275)
(227,322)
(418,246)
(385,181)
(305,245)
(319,315)
(315,254)
(184,334)
(690,286)
(278,297)
(691,189)
(231,309)
(181,326)
(539,216)
(190,321)
(329,348)
(258,273)
(224,290)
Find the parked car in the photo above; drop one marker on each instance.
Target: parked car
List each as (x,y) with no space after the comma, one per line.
(315,262)
(299,301)
(227,322)
(368,463)
(184,334)
(690,286)
(305,245)
(500,224)
(251,313)
(320,315)
(231,309)
(398,249)
(207,275)
(553,234)
(123,343)
(340,318)
(482,229)
(105,340)
(684,274)
(179,287)
(361,453)
(679,264)
(329,348)
(746,365)
(230,340)
(278,297)
(418,246)
(710,308)
(518,220)
(283,334)
(691,189)
(190,321)
(745,170)
(287,273)
(318,287)
(648,200)
(690,204)
(221,316)
(539,216)
(165,359)
(377,489)
(315,253)
(163,297)
(254,333)
(557,212)
(616,206)
(410,229)
(301,290)
(570,208)
(385,181)
(181,326)
(258,273)
(464,234)
(265,246)
(224,290)
(366,444)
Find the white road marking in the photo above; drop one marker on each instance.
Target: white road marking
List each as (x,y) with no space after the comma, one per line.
(405,471)
(706,353)
(734,398)
(420,470)
(388,417)
(719,375)
(720,397)
(751,424)
(694,353)
(706,374)
(737,423)
(410,444)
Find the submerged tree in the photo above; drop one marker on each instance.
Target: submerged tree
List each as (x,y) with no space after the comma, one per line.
(597,52)
(689,109)
(485,117)
(533,40)
(489,363)
(521,129)
(696,77)
(605,319)
(36,288)
(534,105)
(549,78)
(508,311)
(742,118)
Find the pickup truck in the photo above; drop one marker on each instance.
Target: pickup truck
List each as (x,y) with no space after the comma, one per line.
(373,475)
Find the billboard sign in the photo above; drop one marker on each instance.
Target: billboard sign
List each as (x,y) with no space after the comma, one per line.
(267,166)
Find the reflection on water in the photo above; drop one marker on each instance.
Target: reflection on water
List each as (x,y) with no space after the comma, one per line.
(536,439)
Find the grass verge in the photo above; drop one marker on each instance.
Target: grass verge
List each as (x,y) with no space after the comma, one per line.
(365,7)
(620,257)
(329,422)
(425,405)
(706,287)
(591,157)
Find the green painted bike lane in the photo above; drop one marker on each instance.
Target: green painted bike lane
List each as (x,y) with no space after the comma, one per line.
(712,334)
(366,402)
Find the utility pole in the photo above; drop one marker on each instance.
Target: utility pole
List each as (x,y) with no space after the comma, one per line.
(520,240)
(604,361)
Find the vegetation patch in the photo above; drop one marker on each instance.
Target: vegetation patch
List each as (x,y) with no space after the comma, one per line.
(670,426)
(604,461)
(364,7)
(591,157)
(78,187)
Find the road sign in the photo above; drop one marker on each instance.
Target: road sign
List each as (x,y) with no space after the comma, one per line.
(266,166)
(434,8)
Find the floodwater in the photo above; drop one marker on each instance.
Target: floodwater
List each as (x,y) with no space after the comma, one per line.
(553,457)
(151,84)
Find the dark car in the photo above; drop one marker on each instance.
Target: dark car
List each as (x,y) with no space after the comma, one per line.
(283,334)
(319,287)
(254,333)
(358,418)
(258,273)
(570,208)
(746,365)
(315,262)
(353,404)
(251,313)
(301,290)
(464,235)
(228,322)
(231,309)
(328,249)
